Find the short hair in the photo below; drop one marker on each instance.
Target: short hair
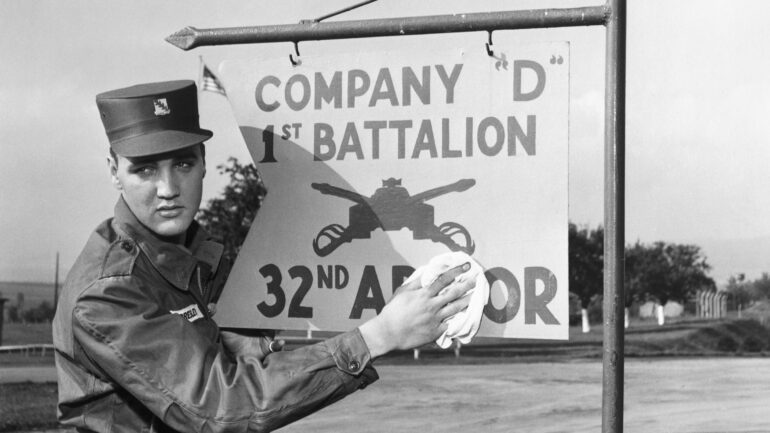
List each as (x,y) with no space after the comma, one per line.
(201,144)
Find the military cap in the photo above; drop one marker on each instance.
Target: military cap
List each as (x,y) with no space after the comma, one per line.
(152,118)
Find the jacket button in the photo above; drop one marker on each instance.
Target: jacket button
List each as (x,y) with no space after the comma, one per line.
(126,245)
(354,365)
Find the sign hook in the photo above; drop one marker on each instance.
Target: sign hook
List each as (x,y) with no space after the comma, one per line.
(502,60)
(488,45)
(297,61)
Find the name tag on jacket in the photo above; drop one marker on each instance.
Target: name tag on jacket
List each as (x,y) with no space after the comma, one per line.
(191,313)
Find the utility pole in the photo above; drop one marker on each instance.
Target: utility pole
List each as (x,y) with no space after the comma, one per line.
(56,283)
(2,319)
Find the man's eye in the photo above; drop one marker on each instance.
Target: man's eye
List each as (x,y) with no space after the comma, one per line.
(144,171)
(185,164)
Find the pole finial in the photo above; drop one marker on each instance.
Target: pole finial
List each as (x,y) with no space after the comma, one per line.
(184,39)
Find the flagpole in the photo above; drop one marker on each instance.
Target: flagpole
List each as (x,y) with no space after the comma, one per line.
(200,75)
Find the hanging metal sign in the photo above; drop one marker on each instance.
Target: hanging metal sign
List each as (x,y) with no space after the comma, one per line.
(377,161)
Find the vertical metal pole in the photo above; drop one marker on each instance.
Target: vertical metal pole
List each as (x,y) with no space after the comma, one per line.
(2,318)
(56,283)
(614,217)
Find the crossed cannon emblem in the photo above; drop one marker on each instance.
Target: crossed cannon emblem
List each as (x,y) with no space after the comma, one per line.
(392,208)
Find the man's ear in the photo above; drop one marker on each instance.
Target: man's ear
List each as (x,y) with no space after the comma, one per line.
(113,165)
(203,158)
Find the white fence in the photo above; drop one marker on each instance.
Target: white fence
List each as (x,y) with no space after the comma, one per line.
(28,349)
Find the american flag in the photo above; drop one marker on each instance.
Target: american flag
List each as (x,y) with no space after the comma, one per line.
(210,82)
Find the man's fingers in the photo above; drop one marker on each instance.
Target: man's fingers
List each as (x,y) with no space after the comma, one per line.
(442,328)
(447,277)
(454,291)
(454,307)
(411,285)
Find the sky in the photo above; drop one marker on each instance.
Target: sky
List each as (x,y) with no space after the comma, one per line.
(698,96)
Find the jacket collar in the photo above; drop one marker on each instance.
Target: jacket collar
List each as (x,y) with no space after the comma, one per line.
(175,262)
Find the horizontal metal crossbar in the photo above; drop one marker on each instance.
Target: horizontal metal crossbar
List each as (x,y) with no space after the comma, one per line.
(190,37)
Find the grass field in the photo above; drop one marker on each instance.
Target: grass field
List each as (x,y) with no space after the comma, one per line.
(29,333)
(680,337)
(26,406)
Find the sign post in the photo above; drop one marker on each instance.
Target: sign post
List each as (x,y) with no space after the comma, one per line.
(613,16)
(614,217)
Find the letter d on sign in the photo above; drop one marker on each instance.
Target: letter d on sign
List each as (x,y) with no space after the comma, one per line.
(537,68)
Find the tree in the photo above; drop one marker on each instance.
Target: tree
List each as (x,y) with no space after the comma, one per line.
(644,268)
(762,286)
(742,291)
(229,217)
(14,316)
(746,292)
(688,272)
(44,312)
(664,272)
(586,262)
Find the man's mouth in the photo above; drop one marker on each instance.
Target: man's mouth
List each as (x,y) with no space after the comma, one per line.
(170,211)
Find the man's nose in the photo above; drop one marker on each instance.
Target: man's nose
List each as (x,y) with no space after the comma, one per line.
(167,185)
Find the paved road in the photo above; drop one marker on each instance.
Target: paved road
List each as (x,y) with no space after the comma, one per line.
(661,395)
(27,374)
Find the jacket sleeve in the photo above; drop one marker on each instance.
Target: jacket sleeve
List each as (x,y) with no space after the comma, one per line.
(194,384)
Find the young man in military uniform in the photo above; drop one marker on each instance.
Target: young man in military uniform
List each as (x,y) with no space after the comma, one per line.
(136,346)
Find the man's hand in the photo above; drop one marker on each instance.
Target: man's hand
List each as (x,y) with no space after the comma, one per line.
(417,315)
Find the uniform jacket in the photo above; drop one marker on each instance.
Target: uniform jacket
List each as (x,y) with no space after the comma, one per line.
(137,350)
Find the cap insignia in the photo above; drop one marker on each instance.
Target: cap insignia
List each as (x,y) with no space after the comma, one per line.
(161,107)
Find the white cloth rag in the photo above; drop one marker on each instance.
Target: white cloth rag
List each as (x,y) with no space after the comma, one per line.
(464,325)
